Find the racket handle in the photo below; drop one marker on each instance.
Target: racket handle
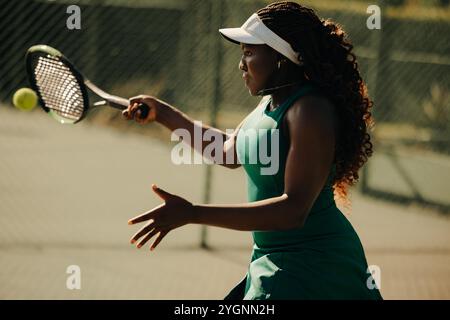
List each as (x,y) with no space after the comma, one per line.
(144,110)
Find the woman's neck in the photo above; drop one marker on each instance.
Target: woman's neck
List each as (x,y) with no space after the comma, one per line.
(282,94)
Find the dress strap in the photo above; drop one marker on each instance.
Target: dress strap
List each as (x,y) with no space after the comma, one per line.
(279,112)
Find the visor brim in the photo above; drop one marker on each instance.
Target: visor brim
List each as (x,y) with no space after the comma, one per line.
(239,35)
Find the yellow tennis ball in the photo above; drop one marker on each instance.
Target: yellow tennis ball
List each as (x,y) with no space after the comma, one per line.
(25,99)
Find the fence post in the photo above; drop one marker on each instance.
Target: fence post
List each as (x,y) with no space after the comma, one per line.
(91,43)
(373,76)
(216,54)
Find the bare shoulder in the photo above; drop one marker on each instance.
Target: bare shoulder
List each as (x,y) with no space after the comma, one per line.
(312,110)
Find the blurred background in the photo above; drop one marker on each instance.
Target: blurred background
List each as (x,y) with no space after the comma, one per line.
(66,192)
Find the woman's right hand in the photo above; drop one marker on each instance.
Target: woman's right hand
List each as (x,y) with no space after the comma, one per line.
(133,112)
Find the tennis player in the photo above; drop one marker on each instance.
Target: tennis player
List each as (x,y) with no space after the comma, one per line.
(304,246)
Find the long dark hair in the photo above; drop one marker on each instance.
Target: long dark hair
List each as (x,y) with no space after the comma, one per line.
(330,64)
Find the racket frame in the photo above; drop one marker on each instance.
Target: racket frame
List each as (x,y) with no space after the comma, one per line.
(77,74)
(108,99)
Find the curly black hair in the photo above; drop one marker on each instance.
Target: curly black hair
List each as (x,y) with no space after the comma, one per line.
(329,63)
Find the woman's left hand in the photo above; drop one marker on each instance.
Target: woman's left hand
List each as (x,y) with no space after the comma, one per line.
(175,212)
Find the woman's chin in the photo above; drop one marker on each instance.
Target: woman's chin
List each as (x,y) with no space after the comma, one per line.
(253,91)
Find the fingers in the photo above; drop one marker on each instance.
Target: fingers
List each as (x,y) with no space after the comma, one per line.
(134,111)
(161,193)
(139,104)
(161,235)
(150,229)
(137,99)
(150,235)
(145,216)
(147,237)
(129,112)
(141,232)
(126,113)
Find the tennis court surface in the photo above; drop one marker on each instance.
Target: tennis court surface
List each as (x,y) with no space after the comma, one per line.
(66,193)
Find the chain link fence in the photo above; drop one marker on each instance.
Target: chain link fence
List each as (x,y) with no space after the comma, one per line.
(172,49)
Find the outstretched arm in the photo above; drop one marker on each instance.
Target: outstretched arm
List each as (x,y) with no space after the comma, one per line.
(174,119)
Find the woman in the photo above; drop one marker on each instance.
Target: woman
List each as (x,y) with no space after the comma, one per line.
(304,247)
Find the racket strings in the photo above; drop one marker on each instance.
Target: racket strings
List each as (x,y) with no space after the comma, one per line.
(59,88)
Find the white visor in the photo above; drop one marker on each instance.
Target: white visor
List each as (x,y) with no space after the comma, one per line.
(254,31)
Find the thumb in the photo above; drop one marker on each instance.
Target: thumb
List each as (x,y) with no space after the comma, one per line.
(161,193)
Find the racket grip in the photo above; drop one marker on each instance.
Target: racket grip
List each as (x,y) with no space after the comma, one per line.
(144,109)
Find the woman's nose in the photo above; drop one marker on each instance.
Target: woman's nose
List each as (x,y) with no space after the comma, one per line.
(241,64)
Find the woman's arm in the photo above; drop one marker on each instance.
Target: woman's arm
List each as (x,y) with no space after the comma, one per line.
(311,152)
(174,119)
(311,130)
(272,214)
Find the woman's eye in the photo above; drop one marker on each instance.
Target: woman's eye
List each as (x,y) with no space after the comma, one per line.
(247,53)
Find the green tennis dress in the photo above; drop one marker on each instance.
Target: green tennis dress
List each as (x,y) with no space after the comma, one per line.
(324,259)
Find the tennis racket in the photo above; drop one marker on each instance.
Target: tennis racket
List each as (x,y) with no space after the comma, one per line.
(62,89)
